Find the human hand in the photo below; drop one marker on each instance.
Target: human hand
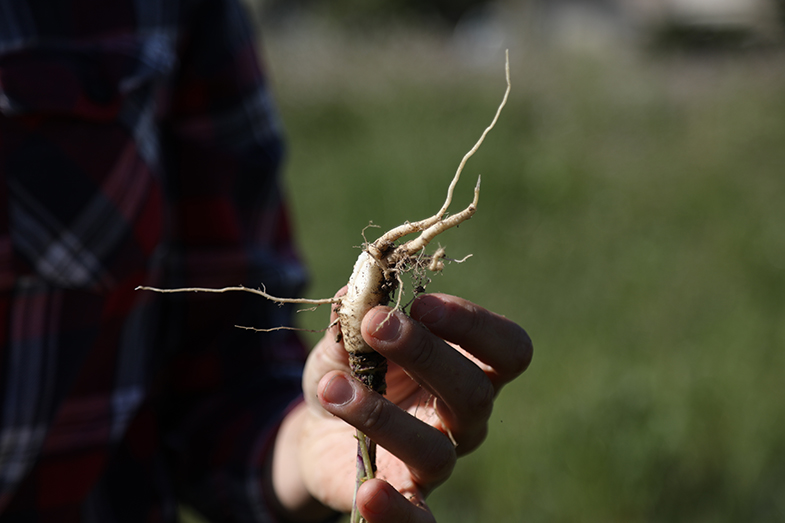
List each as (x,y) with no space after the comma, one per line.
(447,363)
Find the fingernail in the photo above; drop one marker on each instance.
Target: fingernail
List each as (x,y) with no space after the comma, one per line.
(338,391)
(428,309)
(379,502)
(388,326)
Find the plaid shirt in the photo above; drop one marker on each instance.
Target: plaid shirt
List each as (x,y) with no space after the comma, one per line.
(138,145)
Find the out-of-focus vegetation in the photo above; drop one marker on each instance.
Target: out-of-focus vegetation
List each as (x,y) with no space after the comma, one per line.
(632,218)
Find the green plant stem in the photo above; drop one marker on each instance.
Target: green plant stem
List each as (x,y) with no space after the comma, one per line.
(365,470)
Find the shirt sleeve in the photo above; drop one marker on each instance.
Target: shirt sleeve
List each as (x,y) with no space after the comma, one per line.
(226,389)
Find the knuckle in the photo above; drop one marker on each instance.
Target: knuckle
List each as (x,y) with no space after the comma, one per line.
(439,461)
(474,324)
(422,352)
(481,400)
(377,417)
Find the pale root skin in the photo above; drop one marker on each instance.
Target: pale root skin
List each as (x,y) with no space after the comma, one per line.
(362,294)
(375,277)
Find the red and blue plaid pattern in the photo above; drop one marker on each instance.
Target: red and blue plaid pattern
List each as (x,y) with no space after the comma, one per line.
(138,145)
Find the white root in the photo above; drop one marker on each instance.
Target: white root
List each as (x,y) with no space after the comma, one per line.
(364,291)
(242,288)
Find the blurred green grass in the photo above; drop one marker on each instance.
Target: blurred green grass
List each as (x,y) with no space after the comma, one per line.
(632,219)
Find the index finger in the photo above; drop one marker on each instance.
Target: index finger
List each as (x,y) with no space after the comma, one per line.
(491,338)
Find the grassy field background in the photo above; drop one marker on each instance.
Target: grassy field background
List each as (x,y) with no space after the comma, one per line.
(632,219)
